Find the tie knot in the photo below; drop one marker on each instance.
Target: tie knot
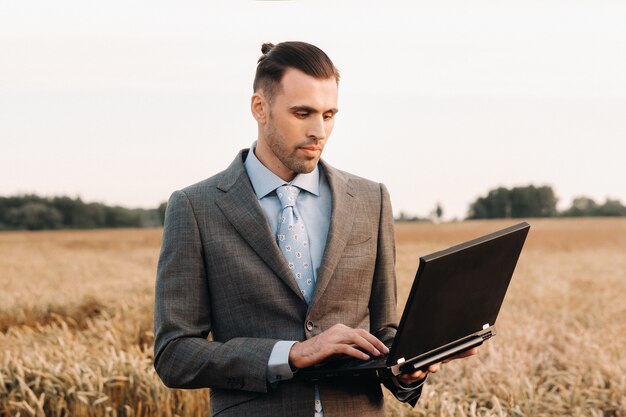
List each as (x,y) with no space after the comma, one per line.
(287,194)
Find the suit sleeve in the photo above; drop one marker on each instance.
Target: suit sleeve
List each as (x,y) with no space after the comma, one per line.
(384,294)
(183,356)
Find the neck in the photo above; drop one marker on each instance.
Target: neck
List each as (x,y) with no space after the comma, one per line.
(265,155)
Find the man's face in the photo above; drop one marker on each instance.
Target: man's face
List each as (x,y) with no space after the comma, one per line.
(300,120)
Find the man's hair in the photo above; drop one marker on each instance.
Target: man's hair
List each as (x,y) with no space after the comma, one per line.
(275,60)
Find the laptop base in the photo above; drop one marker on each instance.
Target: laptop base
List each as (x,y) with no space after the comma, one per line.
(378,367)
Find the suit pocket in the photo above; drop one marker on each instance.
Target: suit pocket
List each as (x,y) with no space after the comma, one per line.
(362,246)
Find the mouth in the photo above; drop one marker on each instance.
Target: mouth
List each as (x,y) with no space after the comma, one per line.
(311,151)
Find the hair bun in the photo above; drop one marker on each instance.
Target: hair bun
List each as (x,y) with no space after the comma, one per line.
(266,47)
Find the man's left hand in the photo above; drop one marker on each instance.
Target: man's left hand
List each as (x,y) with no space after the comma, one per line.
(408,379)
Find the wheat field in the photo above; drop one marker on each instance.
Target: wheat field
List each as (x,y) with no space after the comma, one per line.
(76,325)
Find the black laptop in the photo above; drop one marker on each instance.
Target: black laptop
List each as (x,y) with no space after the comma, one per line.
(452,307)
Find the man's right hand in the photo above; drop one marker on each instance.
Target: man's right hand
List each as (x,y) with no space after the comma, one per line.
(337,340)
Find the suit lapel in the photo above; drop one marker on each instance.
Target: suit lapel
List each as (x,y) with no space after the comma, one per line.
(240,206)
(341,220)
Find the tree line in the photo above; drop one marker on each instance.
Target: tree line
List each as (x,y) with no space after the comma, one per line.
(527,201)
(32,212)
(531,201)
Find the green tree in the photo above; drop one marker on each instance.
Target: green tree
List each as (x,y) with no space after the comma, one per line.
(34,216)
(612,208)
(438,211)
(32,212)
(121,217)
(585,206)
(496,204)
(581,206)
(529,201)
(76,214)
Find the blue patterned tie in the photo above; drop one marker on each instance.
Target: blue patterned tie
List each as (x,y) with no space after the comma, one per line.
(293,241)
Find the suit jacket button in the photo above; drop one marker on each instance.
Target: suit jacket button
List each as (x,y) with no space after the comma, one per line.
(309,325)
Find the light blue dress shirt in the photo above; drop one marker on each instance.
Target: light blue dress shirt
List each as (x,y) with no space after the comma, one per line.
(314,205)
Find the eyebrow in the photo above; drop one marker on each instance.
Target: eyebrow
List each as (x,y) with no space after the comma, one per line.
(311,109)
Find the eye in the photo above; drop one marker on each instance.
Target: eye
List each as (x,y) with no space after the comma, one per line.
(301,114)
(329,116)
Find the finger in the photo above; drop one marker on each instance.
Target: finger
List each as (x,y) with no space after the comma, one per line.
(434,367)
(373,340)
(418,374)
(411,378)
(365,344)
(472,352)
(350,336)
(341,339)
(359,338)
(350,351)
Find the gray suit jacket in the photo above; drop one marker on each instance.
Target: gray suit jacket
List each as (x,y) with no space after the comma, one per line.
(221,272)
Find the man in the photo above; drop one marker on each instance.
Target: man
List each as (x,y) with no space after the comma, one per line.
(284,259)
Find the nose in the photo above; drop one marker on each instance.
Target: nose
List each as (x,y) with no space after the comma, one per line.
(317,128)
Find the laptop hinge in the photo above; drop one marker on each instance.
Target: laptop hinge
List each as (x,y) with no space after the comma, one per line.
(489,333)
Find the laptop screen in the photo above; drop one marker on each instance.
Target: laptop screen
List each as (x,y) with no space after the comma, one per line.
(457,291)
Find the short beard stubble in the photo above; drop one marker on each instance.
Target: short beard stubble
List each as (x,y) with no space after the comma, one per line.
(276,143)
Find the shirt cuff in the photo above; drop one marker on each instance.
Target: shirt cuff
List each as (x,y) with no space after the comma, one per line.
(278,368)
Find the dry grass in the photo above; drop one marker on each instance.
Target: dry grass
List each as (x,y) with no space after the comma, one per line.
(76,326)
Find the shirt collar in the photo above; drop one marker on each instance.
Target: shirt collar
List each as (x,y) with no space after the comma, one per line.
(265,181)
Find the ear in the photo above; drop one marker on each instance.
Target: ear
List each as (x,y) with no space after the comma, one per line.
(259,107)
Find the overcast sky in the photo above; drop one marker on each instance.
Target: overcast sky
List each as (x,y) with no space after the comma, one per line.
(125,101)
